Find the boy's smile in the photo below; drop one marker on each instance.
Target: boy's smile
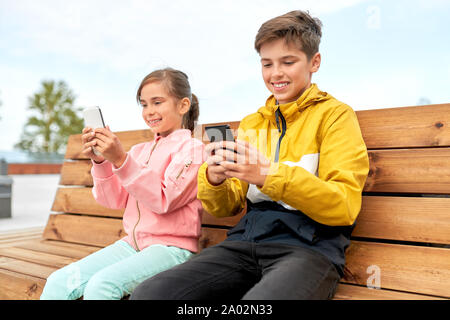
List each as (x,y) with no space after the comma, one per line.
(286,70)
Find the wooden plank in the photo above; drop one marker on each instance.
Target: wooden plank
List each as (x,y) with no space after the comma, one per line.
(81,200)
(16,286)
(211,236)
(396,218)
(76,173)
(405,219)
(96,231)
(424,270)
(42,258)
(406,127)
(399,171)
(412,127)
(352,292)
(26,268)
(14,236)
(18,233)
(103,231)
(208,219)
(127,138)
(34,168)
(409,171)
(65,249)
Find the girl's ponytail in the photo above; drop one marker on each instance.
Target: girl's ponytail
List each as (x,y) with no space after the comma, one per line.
(191,116)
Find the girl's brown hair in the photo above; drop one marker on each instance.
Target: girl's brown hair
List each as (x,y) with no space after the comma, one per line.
(295,27)
(178,86)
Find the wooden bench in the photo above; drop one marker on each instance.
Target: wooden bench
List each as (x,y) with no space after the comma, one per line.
(401,241)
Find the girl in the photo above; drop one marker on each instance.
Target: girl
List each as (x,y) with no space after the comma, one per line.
(156,183)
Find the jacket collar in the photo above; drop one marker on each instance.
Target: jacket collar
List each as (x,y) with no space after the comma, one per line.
(179,134)
(291,110)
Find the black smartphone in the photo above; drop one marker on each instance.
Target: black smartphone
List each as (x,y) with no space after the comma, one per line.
(219,133)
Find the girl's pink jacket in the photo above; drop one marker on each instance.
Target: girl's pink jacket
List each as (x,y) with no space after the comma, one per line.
(157,186)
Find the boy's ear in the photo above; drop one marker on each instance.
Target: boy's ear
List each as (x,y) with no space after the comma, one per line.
(315,62)
(185,105)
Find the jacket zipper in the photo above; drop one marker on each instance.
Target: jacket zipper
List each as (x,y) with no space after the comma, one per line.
(278,116)
(134,229)
(186,165)
(137,205)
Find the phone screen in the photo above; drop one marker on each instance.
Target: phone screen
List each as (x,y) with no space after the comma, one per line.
(219,133)
(93,117)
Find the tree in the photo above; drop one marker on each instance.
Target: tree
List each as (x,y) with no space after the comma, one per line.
(54,119)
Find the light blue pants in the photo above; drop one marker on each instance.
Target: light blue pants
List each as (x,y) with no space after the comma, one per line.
(112,272)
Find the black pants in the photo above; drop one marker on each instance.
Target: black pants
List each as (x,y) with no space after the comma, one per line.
(245,270)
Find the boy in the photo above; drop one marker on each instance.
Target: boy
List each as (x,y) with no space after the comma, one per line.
(300,167)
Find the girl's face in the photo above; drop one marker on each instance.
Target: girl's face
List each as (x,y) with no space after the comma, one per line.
(162,112)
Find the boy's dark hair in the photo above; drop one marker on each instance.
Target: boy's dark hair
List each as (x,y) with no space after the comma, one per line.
(295,27)
(177,85)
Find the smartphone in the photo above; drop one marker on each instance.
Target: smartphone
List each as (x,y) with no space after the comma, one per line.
(219,133)
(93,118)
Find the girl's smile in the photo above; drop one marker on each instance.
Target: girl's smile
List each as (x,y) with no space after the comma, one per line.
(162,112)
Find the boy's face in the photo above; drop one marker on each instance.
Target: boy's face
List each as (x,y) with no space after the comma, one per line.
(286,70)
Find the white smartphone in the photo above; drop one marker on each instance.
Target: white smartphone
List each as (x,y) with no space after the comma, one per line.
(93,118)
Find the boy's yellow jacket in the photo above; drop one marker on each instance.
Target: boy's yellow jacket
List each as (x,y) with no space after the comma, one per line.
(322,166)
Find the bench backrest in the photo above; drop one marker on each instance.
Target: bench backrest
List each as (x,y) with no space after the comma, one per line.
(402,236)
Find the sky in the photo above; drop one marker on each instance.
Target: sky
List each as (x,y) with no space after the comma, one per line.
(375,53)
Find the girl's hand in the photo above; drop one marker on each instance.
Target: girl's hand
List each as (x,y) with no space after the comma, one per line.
(88,142)
(250,165)
(109,146)
(214,172)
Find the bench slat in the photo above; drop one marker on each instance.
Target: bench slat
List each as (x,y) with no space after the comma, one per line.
(409,171)
(96,231)
(394,218)
(16,286)
(76,173)
(64,249)
(26,267)
(412,127)
(399,171)
(42,258)
(352,292)
(81,200)
(404,219)
(211,236)
(408,268)
(406,127)
(127,138)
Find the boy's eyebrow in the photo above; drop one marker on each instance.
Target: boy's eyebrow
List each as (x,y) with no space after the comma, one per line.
(282,58)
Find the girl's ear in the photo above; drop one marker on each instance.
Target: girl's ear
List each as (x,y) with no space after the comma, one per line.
(184,106)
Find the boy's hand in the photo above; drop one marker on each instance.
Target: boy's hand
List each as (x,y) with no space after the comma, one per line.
(87,141)
(249,164)
(109,146)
